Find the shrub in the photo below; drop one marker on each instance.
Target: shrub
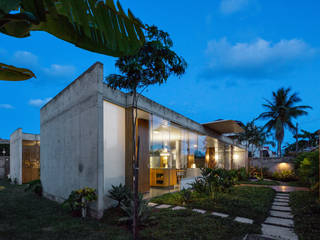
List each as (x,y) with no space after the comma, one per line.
(242,174)
(284,175)
(144,212)
(34,186)
(307,167)
(119,193)
(185,195)
(199,185)
(78,200)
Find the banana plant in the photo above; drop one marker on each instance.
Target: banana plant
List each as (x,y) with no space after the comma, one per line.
(11,73)
(94,25)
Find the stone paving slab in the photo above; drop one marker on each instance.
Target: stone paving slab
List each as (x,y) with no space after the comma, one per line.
(281,199)
(281,214)
(151,204)
(179,208)
(280,208)
(220,214)
(199,211)
(243,220)
(285,204)
(163,206)
(282,233)
(282,195)
(280,221)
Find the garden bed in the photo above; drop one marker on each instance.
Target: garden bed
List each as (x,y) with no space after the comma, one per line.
(306,212)
(24,215)
(250,202)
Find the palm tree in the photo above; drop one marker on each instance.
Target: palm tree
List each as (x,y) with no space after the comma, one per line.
(281,110)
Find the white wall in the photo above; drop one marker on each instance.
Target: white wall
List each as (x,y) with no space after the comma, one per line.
(114,145)
(16,156)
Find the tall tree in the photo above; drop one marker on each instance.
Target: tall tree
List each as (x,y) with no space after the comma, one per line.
(281,110)
(95,25)
(153,64)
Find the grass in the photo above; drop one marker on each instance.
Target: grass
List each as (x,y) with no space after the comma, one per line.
(262,182)
(306,212)
(250,202)
(24,215)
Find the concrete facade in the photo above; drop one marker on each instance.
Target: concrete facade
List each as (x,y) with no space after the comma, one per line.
(16,140)
(83,135)
(273,164)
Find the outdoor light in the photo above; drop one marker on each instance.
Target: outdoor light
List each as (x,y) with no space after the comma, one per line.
(193,165)
(235,156)
(156,132)
(3,152)
(195,145)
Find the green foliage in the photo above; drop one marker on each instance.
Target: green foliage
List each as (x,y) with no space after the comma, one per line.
(307,167)
(93,25)
(212,181)
(284,175)
(242,174)
(119,193)
(79,199)
(144,212)
(281,111)
(153,64)
(186,195)
(306,211)
(12,73)
(34,186)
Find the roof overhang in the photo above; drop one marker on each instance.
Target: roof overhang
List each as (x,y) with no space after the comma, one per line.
(224,126)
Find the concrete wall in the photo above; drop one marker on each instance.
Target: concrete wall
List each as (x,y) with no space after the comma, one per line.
(16,156)
(273,164)
(114,147)
(4,166)
(72,139)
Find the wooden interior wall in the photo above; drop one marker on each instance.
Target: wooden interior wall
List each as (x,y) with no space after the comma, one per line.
(144,169)
(30,161)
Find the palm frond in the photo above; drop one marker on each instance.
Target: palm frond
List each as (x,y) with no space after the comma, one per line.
(12,73)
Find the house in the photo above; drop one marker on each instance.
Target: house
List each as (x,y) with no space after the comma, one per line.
(86,141)
(4,158)
(25,157)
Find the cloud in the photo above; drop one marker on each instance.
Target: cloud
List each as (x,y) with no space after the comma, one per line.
(39,102)
(57,70)
(25,58)
(232,6)
(258,59)
(6,106)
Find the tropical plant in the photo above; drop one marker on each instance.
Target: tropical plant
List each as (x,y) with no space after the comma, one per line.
(185,195)
(143,211)
(307,167)
(78,200)
(93,25)
(153,64)
(11,73)
(281,110)
(119,193)
(284,175)
(34,186)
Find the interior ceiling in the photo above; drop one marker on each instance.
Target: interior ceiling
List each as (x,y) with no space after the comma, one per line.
(224,126)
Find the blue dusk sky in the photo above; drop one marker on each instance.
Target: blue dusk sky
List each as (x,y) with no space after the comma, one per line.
(238,52)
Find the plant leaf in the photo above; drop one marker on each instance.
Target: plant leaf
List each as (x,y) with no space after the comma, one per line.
(12,73)
(93,25)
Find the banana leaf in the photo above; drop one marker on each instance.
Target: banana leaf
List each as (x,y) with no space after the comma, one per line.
(95,25)
(12,73)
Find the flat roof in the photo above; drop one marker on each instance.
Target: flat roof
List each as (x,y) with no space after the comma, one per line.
(224,126)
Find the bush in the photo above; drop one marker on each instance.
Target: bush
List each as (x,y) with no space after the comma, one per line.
(34,186)
(119,193)
(242,174)
(78,200)
(284,175)
(215,180)
(144,212)
(185,195)
(307,168)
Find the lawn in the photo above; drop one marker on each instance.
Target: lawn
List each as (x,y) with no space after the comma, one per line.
(24,215)
(250,202)
(261,182)
(306,212)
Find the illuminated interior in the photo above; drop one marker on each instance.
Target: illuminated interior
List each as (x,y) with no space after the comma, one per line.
(30,160)
(176,153)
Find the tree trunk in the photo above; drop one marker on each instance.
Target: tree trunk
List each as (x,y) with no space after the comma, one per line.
(135,166)
(279,148)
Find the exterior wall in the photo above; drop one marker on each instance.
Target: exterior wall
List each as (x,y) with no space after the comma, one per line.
(4,166)
(72,139)
(16,156)
(114,146)
(273,164)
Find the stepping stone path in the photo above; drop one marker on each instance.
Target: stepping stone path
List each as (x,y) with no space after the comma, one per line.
(279,224)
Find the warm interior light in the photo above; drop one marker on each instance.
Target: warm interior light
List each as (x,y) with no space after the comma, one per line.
(195,145)
(193,165)
(156,132)
(165,152)
(235,156)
